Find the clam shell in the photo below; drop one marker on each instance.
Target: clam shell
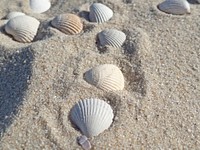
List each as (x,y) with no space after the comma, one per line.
(92,116)
(39,6)
(107,77)
(176,7)
(14,14)
(111,37)
(100,13)
(68,23)
(22,28)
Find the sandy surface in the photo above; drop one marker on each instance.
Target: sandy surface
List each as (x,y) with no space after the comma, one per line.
(160,59)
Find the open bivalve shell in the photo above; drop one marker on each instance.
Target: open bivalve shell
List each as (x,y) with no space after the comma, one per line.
(176,7)
(92,116)
(100,13)
(22,28)
(14,14)
(68,23)
(111,37)
(107,77)
(39,6)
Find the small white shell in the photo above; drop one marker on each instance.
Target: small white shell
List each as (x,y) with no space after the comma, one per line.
(22,28)
(68,23)
(39,6)
(107,77)
(14,14)
(100,13)
(84,142)
(92,116)
(111,37)
(176,7)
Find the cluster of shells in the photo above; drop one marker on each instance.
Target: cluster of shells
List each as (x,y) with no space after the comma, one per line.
(92,116)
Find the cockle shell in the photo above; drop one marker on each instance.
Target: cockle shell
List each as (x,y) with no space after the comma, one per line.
(92,116)
(176,7)
(39,6)
(22,28)
(111,37)
(68,23)
(100,13)
(14,14)
(107,77)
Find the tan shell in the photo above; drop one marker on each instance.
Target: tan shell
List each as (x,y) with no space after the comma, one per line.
(68,23)
(107,77)
(22,28)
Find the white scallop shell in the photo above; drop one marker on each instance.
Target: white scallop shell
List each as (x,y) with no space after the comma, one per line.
(68,23)
(92,116)
(14,14)
(39,6)
(107,77)
(176,7)
(100,13)
(22,28)
(111,37)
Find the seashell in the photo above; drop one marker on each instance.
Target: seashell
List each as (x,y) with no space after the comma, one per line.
(100,13)
(39,6)
(176,7)
(107,77)
(68,23)
(14,14)
(111,37)
(92,116)
(84,142)
(22,28)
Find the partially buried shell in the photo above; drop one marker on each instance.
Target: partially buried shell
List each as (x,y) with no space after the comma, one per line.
(14,14)
(92,116)
(107,77)
(100,13)
(176,7)
(22,28)
(111,37)
(39,6)
(68,23)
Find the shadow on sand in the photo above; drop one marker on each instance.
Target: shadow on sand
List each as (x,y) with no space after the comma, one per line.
(15,71)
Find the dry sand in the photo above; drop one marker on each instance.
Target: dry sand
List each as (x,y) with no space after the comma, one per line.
(41,81)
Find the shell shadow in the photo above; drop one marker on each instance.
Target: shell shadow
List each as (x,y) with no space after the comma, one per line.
(43,32)
(15,72)
(85,15)
(194,1)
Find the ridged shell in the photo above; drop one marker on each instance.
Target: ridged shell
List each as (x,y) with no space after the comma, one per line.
(92,116)
(22,28)
(14,14)
(68,23)
(176,7)
(107,77)
(100,13)
(39,6)
(111,37)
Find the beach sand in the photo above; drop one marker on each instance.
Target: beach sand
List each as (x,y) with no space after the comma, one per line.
(41,81)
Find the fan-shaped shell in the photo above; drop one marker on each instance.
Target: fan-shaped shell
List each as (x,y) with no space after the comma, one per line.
(68,23)
(92,116)
(107,77)
(14,14)
(39,6)
(111,37)
(100,13)
(176,7)
(22,28)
